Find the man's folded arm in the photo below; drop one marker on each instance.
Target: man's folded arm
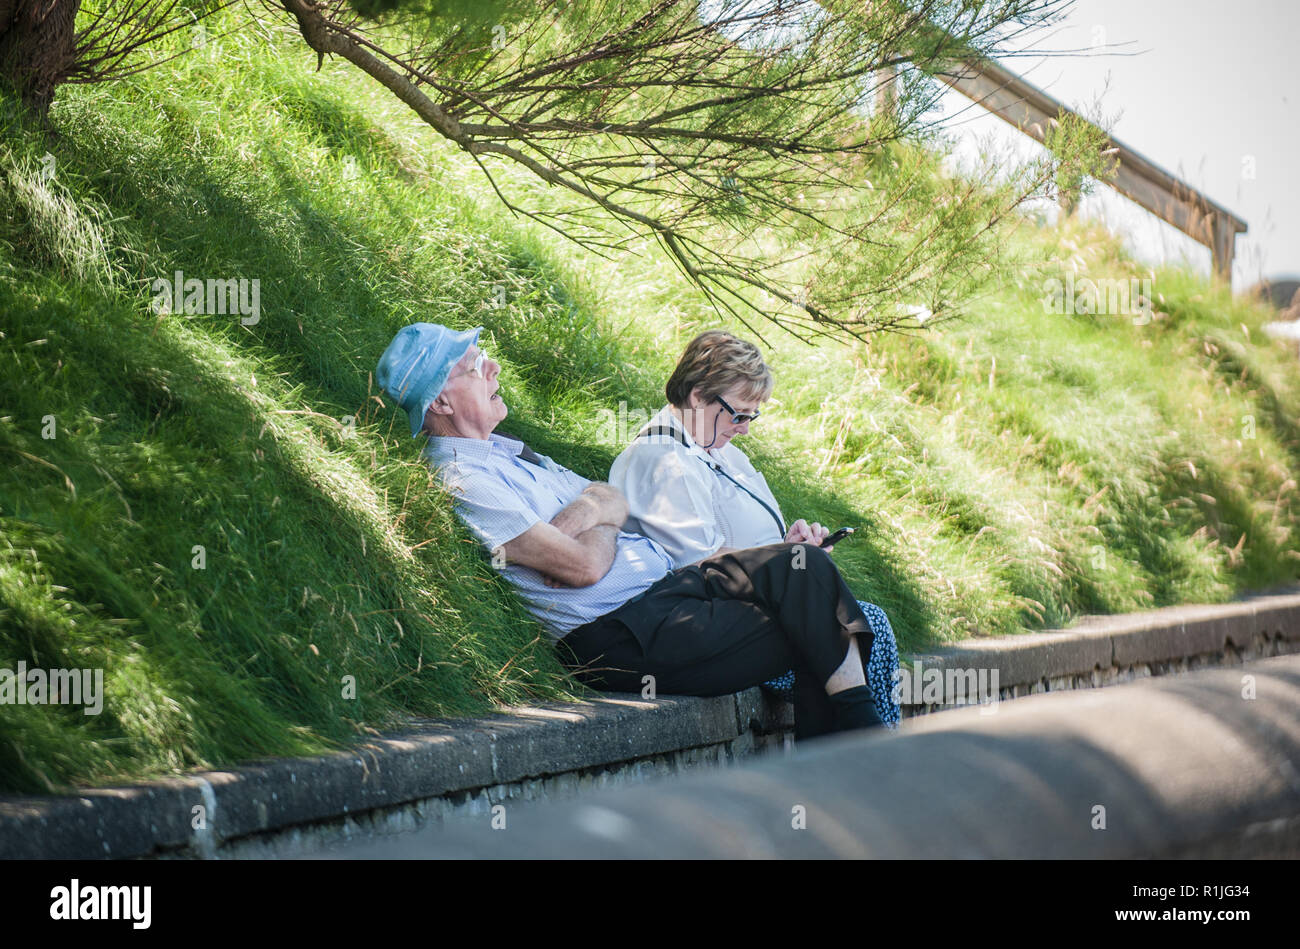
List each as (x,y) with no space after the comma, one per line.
(575,561)
(576,548)
(599,503)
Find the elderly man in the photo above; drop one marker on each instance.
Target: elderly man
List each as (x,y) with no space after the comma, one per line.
(610,599)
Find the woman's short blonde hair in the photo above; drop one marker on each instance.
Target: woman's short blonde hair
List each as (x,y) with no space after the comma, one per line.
(715,362)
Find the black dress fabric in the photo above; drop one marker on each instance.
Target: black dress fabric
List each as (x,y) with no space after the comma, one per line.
(728,623)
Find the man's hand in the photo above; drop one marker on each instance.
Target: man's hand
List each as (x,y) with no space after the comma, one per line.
(801,532)
(555,584)
(599,503)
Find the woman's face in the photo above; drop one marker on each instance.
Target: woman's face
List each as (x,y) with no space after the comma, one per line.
(712,418)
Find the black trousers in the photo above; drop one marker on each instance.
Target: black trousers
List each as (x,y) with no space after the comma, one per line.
(726,624)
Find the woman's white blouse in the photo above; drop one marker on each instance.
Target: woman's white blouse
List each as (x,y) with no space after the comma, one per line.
(677,500)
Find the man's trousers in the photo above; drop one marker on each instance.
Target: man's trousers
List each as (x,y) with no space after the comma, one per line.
(728,623)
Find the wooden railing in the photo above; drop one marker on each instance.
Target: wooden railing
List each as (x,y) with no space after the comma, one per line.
(1033,111)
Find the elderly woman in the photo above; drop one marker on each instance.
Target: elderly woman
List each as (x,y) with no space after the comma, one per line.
(696,494)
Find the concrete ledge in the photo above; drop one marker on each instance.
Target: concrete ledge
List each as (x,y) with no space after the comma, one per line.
(438,760)
(429,760)
(1178,766)
(1103,649)
(118,822)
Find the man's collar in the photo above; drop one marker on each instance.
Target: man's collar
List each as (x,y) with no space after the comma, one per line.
(520,447)
(443,449)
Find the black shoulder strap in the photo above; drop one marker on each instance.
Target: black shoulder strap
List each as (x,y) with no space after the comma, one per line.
(655,431)
(658,430)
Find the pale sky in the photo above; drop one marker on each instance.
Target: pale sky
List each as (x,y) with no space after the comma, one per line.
(1209,90)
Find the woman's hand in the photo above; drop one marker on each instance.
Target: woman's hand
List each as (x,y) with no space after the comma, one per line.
(801,532)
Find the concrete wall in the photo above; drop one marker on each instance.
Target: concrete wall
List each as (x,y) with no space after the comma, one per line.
(439,770)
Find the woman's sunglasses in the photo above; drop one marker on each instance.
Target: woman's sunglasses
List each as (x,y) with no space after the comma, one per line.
(738,418)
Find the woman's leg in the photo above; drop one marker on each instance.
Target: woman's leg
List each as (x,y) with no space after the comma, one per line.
(732,625)
(802,589)
(740,646)
(880,669)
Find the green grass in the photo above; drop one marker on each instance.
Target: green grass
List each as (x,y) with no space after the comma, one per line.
(1009,471)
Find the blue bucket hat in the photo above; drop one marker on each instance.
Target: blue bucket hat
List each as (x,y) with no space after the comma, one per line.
(415,366)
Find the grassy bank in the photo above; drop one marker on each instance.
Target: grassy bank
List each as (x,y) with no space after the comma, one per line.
(227,520)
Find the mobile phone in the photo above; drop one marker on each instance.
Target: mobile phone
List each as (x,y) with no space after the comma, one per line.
(838,536)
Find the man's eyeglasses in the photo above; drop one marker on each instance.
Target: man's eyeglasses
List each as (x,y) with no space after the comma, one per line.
(738,418)
(477,368)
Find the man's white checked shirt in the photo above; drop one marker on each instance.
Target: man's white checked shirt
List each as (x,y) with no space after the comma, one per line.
(499,496)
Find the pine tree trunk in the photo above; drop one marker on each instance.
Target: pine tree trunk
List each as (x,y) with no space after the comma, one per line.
(36,47)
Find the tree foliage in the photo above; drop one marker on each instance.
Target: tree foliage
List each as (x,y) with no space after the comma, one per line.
(772,148)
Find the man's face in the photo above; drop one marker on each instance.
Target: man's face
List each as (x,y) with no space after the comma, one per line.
(475,407)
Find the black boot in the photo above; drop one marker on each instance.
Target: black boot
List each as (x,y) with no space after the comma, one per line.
(853,708)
